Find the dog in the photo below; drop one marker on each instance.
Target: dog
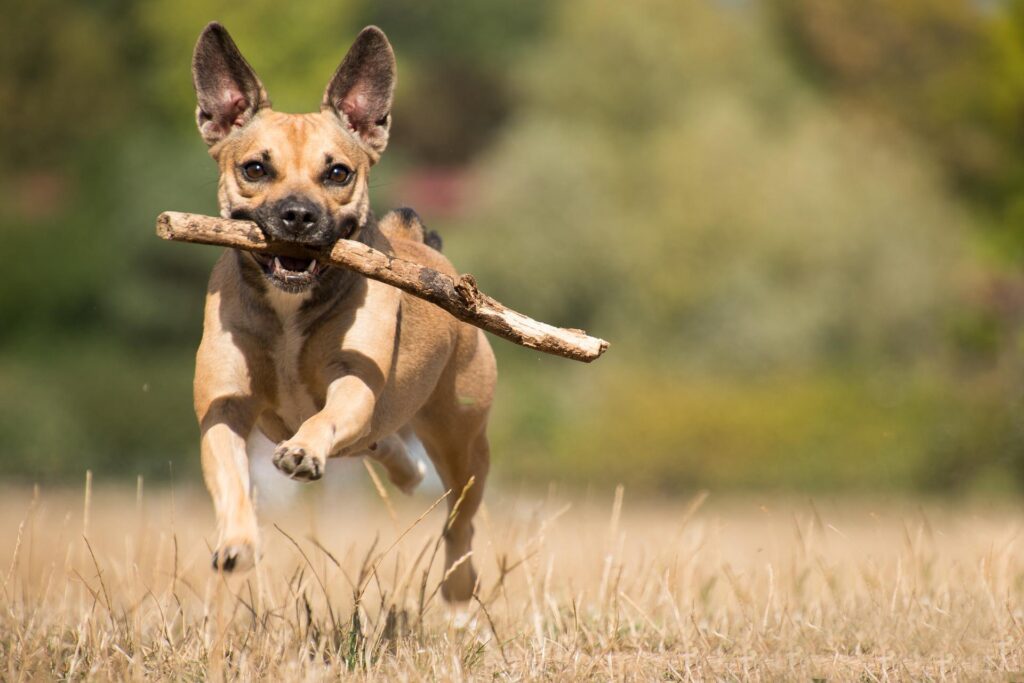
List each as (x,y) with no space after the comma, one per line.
(323,361)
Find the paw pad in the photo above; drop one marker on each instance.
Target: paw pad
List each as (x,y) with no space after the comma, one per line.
(298,463)
(233,557)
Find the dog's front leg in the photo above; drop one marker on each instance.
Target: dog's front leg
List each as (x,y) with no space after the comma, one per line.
(345,419)
(356,378)
(227,406)
(225,426)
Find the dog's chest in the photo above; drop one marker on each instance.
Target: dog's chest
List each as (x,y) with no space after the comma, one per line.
(294,403)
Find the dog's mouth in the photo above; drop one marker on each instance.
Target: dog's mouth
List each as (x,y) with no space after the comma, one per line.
(289,273)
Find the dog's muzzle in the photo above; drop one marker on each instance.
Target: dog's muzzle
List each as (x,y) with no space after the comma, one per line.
(299,221)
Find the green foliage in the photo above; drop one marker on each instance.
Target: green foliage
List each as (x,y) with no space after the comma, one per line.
(50,66)
(727,220)
(795,221)
(865,428)
(82,403)
(949,71)
(781,278)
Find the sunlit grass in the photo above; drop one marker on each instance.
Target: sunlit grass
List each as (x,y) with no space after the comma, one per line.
(596,587)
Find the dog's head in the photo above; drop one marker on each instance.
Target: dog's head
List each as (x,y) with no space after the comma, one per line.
(303,178)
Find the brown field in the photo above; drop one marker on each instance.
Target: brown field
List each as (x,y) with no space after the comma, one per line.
(596,588)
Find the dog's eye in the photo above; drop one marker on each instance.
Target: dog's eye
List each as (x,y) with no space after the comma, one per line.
(339,174)
(254,170)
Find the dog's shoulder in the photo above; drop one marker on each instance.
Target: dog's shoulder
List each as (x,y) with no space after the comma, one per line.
(233,296)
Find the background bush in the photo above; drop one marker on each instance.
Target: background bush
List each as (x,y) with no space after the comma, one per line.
(797,222)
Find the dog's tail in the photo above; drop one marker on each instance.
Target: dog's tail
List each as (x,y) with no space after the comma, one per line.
(405,224)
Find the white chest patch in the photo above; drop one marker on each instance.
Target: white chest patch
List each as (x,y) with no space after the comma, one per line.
(294,402)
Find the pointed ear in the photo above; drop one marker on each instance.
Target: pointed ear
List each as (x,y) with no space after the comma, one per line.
(361,90)
(227,88)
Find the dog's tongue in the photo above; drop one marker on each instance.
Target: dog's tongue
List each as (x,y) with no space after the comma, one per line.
(294,264)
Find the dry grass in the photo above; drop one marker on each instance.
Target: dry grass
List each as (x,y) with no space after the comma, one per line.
(751,588)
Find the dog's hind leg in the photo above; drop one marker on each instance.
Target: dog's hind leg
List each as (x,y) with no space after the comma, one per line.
(403,470)
(462,461)
(452,427)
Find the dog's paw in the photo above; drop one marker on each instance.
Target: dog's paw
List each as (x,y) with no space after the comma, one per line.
(462,618)
(460,583)
(237,556)
(409,481)
(298,463)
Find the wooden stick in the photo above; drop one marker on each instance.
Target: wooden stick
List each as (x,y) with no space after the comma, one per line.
(459,297)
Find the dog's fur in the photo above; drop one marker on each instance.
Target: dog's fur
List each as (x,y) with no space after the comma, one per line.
(326,363)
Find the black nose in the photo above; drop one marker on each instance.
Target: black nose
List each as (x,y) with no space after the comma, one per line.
(297,215)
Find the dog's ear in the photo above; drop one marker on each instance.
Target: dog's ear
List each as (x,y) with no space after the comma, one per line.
(361,90)
(227,88)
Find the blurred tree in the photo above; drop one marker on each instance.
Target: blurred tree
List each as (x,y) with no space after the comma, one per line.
(62,72)
(751,200)
(777,274)
(100,320)
(457,76)
(695,195)
(950,71)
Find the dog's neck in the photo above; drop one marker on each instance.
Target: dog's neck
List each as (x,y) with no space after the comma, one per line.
(286,305)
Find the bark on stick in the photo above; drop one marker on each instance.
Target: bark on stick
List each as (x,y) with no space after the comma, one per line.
(460,297)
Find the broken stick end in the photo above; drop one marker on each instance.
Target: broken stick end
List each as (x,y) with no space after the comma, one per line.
(602,346)
(163,226)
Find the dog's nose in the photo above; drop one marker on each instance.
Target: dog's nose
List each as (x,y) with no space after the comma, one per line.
(298,216)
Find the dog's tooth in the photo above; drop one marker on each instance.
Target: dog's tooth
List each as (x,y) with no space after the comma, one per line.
(277,264)
(311,267)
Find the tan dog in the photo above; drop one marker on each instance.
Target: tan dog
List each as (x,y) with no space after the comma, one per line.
(323,361)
